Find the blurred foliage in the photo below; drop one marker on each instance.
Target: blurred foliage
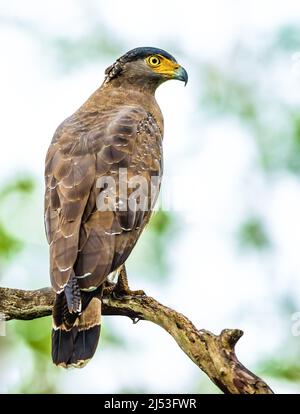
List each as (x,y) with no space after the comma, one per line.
(150,254)
(9,244)
(287,369)
(35,336)
(24,185)
(277,143)
(287,38)
(110,338)
(246,89)
(34,332)
(71,53)
(252,234)
(225,94)
(160,223)
(284,363)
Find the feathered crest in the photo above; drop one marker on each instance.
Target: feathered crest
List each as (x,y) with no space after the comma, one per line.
(138,53)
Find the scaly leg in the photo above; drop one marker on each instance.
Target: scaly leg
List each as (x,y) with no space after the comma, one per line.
(121,288)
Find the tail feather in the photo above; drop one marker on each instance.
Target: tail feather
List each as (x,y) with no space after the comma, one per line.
(75,336)
(85,346)
(62,346)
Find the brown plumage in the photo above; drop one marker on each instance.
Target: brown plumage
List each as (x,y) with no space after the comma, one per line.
(119,128)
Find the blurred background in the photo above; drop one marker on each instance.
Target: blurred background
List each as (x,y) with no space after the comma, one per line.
(224,249)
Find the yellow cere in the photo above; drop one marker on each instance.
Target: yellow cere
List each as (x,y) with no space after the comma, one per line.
(162,65)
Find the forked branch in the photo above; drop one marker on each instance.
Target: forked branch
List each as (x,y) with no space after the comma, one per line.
(213,354)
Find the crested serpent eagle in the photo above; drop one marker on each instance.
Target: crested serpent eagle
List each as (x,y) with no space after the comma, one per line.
(91,223)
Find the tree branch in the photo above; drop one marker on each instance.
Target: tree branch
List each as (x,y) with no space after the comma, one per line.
(213,354)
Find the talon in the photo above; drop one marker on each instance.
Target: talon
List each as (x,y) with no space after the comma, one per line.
(115,295)
(136,293)
(107,291)
(119,295)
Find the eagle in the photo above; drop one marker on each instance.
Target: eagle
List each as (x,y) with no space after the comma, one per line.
(102,176)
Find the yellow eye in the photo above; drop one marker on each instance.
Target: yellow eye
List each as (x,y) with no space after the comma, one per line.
(153,61)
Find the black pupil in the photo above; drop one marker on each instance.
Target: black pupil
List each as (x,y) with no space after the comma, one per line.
(154,61)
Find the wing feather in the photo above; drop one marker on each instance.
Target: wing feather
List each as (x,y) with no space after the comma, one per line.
(82,240)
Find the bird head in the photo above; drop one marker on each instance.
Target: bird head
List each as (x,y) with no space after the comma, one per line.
(146,66)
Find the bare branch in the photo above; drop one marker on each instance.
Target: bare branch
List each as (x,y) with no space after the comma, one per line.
(213,354)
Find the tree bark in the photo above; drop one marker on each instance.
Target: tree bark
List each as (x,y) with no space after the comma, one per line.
(213,354)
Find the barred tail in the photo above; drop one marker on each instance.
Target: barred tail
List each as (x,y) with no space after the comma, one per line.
(75,336)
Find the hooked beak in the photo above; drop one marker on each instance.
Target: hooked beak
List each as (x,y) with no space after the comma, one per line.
(181,74)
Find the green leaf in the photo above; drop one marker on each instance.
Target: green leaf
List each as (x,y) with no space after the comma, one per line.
(9,245)
(253,235)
